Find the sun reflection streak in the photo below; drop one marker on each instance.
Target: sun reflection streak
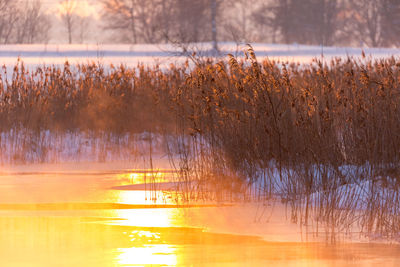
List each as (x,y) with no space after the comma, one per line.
(160,217)
(147,218)
(163,255)
(148,246)
(148,176)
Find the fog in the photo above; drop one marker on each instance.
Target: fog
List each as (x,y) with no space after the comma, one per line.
(199,132)
(362,23)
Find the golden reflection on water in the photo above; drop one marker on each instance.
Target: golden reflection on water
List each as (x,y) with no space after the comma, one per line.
(148,176)
(143,252)
(163,255)
(143,236)
(147,218)
(148,247)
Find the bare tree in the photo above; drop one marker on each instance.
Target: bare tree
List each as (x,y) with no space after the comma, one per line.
(83,27)
(239,21)
(32,25)
(190,21)
(325,22)
(265,23)
(306,21)
(67,11)
(149,14)
(364,22)
(136,21)
(373,23)
(77,19)
(157,20)
(390,12)
(164,18)
(119,15)
(214,6)
(8,19)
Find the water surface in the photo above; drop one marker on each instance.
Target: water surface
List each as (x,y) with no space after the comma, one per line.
(122,217)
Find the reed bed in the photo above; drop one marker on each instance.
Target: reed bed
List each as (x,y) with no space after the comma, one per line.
(322,137)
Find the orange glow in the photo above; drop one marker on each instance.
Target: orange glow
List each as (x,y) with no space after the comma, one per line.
(143,176)
(80,8)
(145,217)
(105,237)
(162,255)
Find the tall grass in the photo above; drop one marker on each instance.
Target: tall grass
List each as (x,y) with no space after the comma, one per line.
(323,137)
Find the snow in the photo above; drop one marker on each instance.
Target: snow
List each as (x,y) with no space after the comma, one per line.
(165,54)
(79,146)
(25,147)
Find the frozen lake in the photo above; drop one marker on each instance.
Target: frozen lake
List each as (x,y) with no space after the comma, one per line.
(90,215)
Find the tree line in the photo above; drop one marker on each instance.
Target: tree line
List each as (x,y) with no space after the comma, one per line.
(331,22)
(314,22)
(23,22)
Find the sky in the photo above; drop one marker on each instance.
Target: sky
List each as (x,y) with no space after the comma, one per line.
(84,8)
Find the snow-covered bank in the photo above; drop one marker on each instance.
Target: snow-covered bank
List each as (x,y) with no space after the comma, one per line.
(165,54)
(27,147)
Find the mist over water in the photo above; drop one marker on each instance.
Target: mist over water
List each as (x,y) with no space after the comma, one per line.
(151,133)
(83,233)
(250,160)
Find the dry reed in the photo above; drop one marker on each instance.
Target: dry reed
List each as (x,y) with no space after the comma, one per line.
(325,138)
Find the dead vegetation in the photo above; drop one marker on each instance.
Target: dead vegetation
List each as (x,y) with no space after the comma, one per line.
(324,137)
